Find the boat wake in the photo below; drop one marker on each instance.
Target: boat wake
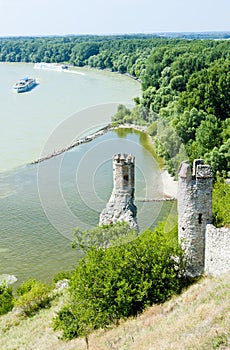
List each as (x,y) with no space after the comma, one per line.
(56,67)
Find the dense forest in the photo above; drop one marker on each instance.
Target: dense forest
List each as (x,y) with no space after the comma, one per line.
(185,86)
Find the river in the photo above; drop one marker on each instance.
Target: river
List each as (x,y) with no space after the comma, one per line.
(41,204)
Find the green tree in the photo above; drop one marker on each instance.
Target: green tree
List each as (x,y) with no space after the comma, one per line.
(118,282)
(103,236)
(6,299)
(209,90)
(33,296)
(187,123)
(208,134)
(122,113)
(219,159)
(221,203)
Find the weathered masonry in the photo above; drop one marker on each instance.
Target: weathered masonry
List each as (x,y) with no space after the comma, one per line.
(207,249)
(121,203)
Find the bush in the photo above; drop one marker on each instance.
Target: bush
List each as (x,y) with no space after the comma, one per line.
(6,299)
(26,287)
(122,113)
(121,281)
(33,296)
(63,275)
(221,203)
(103,236)
(152,129)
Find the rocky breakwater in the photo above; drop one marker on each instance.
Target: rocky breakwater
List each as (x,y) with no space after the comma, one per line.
(75,143)
(121,205)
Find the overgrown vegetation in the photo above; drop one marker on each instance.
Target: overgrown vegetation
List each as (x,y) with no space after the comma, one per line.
(33,296)
(6,298)
(103,236)
(197,319)
(221,203)
(186,103)
(121,281)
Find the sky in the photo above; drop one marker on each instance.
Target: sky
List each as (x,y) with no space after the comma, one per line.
(63,17)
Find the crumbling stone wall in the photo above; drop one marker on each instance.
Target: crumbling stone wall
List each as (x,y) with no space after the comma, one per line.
(217,250)
(207,248)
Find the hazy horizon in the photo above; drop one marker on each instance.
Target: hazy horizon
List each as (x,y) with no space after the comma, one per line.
(100,17)
(114,34)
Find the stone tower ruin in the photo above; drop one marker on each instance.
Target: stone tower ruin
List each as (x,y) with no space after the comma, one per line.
(194,213)
(121,203)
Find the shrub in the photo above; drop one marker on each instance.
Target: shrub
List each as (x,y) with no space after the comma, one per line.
(152,129)
(103,236)
(6,299)
(221,203)
(121,113)
(33,295)
(26,286)
(63,275)
(121,281)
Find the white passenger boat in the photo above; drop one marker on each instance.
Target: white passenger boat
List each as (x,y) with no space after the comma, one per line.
(25,84)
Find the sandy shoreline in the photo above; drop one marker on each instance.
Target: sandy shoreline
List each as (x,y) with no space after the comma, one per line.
(167,181)
(169,185)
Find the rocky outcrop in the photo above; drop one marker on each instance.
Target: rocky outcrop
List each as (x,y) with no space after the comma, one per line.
(118,210)
(8,279)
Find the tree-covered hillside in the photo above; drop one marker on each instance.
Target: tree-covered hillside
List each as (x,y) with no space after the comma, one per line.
(186,86)
(186,102)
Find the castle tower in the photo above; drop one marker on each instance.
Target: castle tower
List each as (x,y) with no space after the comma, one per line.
(194,212)
(123,174)
(120,206)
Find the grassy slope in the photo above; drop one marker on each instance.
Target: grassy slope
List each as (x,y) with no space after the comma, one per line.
(197,319)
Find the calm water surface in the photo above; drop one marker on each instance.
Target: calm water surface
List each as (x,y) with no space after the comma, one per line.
(42,203)
(28,119)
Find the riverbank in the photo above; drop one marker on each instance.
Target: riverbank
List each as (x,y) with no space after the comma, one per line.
(111,71)
(169,185)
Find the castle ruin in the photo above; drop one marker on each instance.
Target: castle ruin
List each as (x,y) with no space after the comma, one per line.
(194,212)
(121,203)
(207,248)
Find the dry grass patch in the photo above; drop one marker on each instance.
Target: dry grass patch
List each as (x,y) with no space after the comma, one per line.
(198,319)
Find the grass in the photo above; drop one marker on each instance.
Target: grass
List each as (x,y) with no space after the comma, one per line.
(197,319)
